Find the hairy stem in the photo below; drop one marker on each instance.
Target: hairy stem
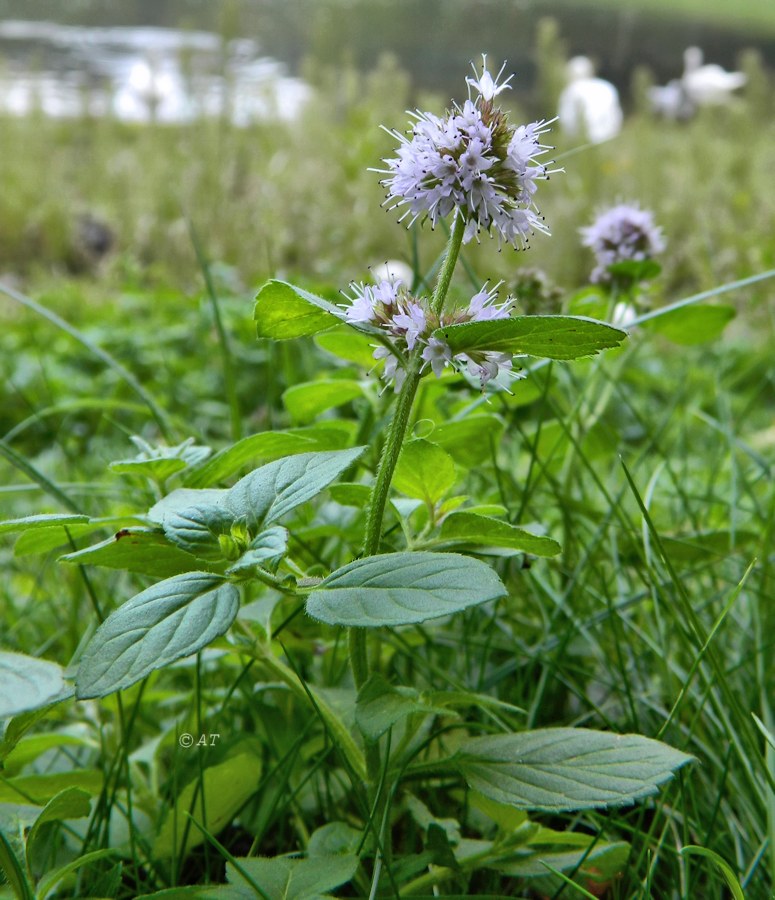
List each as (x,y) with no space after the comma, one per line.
(359,660)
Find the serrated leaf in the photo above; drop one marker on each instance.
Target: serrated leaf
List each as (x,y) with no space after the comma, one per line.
(402,589)
(165,622)
(136,550)
(547,337)
(284,311)
(268,446)
(283,878)
(227,787)
(693,324)
(567,768)
(277,488)
(180,499)
(306,401)
(381,705)
(28,683)
(424,471)
(470,528)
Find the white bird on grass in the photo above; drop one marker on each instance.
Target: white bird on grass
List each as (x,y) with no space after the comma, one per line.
(589,107)
(708,85)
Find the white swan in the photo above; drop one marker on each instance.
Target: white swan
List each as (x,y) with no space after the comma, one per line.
(589,107)
(671,101)
(151,91)
(708,85)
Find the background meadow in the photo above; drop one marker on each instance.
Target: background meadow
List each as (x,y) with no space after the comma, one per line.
(130,254)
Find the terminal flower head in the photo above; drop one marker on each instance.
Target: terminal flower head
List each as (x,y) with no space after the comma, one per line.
(471,162)
(621,233)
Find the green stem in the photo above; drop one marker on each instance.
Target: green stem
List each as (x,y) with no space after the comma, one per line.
(359,660)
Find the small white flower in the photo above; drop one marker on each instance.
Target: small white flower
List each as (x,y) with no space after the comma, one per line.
(361,308)
(412,323)
(483,307)
(438,354)
(488,86)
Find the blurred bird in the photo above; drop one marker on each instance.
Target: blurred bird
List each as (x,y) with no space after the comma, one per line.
(150,92)
(708,85)
(671,101)
(589,107)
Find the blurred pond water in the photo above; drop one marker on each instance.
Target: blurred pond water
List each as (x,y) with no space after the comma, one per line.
(175,59)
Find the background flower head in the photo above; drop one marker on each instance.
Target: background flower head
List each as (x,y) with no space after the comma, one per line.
(621,233)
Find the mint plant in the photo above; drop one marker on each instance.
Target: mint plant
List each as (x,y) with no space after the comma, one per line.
(221,551)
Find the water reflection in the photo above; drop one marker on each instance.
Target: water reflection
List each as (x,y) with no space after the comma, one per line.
(140,74)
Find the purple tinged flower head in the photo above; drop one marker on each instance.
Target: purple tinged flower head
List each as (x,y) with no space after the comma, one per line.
(483,307)
(621,233)
(471,162)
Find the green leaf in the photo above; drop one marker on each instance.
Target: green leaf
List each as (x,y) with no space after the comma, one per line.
(424,471)
(14,871)
(307,400)
(46,520)
(693,324)
(403,588)
(334,839)
(165,622)
(40,789)
(136,550)
(198,530)
(180,499)
(284,311)
(566,768)
(158,469)
(349,493)
(267,446)
(227,788)
(469,528)
(721,864)
(346,343)
(549,337)
(43,540)
(50,881)
(284,878)
(27,683)
(381,705)
(277,488)
(71,803)
(17,751)
(469,441)
(603,862)
(266,550)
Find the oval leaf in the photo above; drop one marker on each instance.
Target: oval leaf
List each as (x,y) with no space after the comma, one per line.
(566,768)
(470,528)
(284,311)
(693,324)
(27,683)
(424,471)
(275,489)
(403,588)
(547,337)
(165,622)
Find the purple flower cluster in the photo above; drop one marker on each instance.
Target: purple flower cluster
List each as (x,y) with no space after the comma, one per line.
(474,162)
(623,232)
(408,320)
